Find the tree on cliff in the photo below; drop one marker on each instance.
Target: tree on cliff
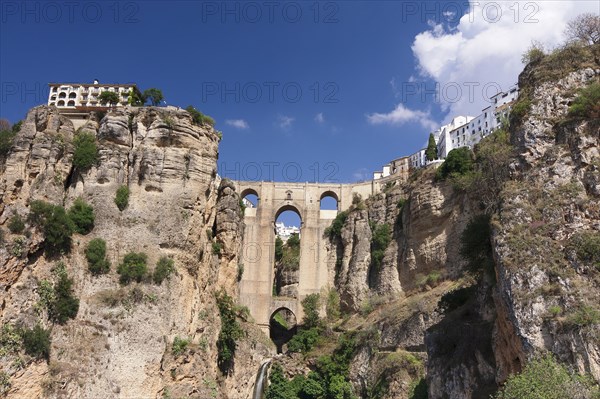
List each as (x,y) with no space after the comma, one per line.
(585,28)
(154,95)
(108,97)
(431,152)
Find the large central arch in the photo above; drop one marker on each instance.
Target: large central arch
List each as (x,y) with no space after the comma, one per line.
(256,285)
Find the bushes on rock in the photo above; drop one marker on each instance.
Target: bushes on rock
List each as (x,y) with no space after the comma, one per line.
(382,236)
(330,378)
(545,378)
(163,269)
(587,102)
(458,162)
(85,153)
(586,245)
(82,216)
(16,224)
(36,341)
(95,253)
(64,305)
(199,118)
(230,332)
(312,326)
(133,267)
(122,197)
(216,248)
(58,229)
(335,230)
(179,346)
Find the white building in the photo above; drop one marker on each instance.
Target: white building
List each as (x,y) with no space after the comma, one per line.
(451,135)
(462,131)
(284,232)
(84,97)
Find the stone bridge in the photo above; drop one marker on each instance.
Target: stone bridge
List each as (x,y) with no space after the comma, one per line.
(258,257)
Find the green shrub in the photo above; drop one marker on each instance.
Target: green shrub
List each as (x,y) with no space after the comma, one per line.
(311,304)
(85,153)
(7,138)
(230,332)
(122,197)
(216,248)
(534,53)
(430,280)
(584,316)
(16,224)
(458,162)
(133,267)
(335,230)
(382,236)
(199,118)
(64,305)
(179,346)
(4,383)
(555,310)
(304,340)
(332,307)
(10,340)
(520,109)
(36,341)
(39,211)
(163,269)
(586,245)
(544,378)
(587,102)
(95,253)
(290,256)
(58,229)
(82,216)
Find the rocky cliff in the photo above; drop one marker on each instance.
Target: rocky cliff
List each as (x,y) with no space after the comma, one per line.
(120,344)
(460,322)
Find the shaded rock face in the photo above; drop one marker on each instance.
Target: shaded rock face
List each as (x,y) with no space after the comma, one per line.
(120,343)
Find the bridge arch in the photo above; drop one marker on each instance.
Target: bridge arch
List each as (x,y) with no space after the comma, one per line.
(283,325)
(288,207)
(250,195)
(325,200)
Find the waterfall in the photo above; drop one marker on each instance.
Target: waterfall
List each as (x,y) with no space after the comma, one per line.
(261,380)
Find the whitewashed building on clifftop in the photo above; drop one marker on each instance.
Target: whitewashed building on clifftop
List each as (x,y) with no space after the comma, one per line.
(85,96)
(462,131)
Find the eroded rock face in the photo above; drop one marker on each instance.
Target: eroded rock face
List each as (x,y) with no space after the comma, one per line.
(556,199)
(120,343)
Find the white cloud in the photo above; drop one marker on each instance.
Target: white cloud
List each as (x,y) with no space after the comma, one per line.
(401,115)
(238,123)
(319,118)
(485,47)
(284,122)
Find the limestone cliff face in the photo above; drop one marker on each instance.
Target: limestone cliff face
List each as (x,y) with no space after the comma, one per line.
(542,285)
(119,345)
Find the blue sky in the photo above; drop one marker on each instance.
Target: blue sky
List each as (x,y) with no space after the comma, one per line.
(312,91)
